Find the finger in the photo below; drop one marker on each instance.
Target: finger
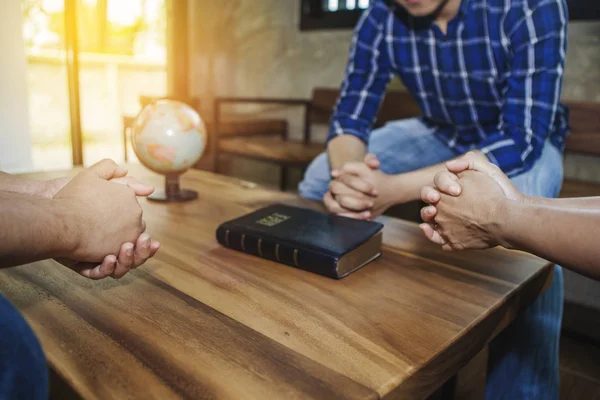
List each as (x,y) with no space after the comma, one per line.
(365,215)
(445,182)
(142,250)
(479,162)
(428,213)
(154,247)
(430,195)
(331,205)
(338,188)
(447,247)
(372,161)
(143,226)
(93,271)
(107,169)
(106,268)
(124,261)
(353,203)
(356,168)
(358,183)
(335,173)
(140,189)
(458,165)
(473,161)
(432,234)
(335,208)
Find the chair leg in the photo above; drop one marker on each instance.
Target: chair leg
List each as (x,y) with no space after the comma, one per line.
(216,166)
(125,155)
(283,179)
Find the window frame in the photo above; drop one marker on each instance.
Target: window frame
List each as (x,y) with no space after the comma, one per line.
(313,17)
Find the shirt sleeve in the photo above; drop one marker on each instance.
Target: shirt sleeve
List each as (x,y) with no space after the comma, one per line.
(367,75)
(537,41)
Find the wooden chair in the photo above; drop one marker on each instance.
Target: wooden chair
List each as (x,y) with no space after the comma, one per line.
(268,140)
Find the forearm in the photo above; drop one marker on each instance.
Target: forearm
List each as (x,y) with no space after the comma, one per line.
(343,149)
(589,203)
(14,184)
(31,229)
(565,236)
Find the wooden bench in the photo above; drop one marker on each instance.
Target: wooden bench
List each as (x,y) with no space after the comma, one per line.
(269,140)
(581,313)
(584,117)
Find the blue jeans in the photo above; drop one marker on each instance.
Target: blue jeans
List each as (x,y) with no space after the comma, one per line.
(523,360)
(23,369)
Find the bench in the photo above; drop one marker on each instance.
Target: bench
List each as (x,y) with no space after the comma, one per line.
(269,140)
(583,139)
(581,316)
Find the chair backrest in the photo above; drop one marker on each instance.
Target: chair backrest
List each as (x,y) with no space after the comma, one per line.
(396,105)
(584,118)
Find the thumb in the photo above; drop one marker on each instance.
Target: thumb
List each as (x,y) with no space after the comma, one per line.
(359,169)
(458,165)
(372,161)
(107,169)
(140,189)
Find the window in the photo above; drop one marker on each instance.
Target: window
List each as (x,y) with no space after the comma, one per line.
(331,14)
(336,5)
(76,108)
(584,9)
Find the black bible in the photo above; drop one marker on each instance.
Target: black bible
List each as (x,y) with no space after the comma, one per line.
(325,244)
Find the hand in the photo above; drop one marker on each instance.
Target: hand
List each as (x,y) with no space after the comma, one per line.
(469,221)
(477,161)
(447,182)
(130,257)
(106,215)
(50,187)
(356,189)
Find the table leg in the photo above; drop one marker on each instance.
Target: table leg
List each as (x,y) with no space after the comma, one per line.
(469,383)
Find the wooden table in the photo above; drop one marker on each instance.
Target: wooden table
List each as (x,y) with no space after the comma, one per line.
(202,321)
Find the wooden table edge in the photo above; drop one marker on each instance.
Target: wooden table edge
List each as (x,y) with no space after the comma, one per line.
(463,347)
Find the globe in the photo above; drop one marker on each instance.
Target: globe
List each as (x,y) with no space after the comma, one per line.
(168,138)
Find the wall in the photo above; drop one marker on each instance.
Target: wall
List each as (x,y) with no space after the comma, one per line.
(582,82)
(15,141)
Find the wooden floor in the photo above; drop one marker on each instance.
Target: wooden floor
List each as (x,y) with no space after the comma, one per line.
(579,370)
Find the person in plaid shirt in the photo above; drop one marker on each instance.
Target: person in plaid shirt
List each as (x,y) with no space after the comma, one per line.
(487,75)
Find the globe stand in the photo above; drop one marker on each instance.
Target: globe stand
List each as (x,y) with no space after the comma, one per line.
(173,193)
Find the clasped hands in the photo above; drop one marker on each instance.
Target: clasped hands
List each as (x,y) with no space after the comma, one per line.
(359,190)
(107,220)
(468,204)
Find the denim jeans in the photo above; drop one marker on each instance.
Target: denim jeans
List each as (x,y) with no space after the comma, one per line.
(523,360)
(23,369)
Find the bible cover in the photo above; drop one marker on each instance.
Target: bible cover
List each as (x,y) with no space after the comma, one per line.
(325,244)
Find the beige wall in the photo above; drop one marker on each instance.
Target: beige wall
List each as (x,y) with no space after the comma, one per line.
(260,51)
(582,82)
(15,140)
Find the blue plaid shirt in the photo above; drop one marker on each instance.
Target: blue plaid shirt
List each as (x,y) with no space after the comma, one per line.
(492,83)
